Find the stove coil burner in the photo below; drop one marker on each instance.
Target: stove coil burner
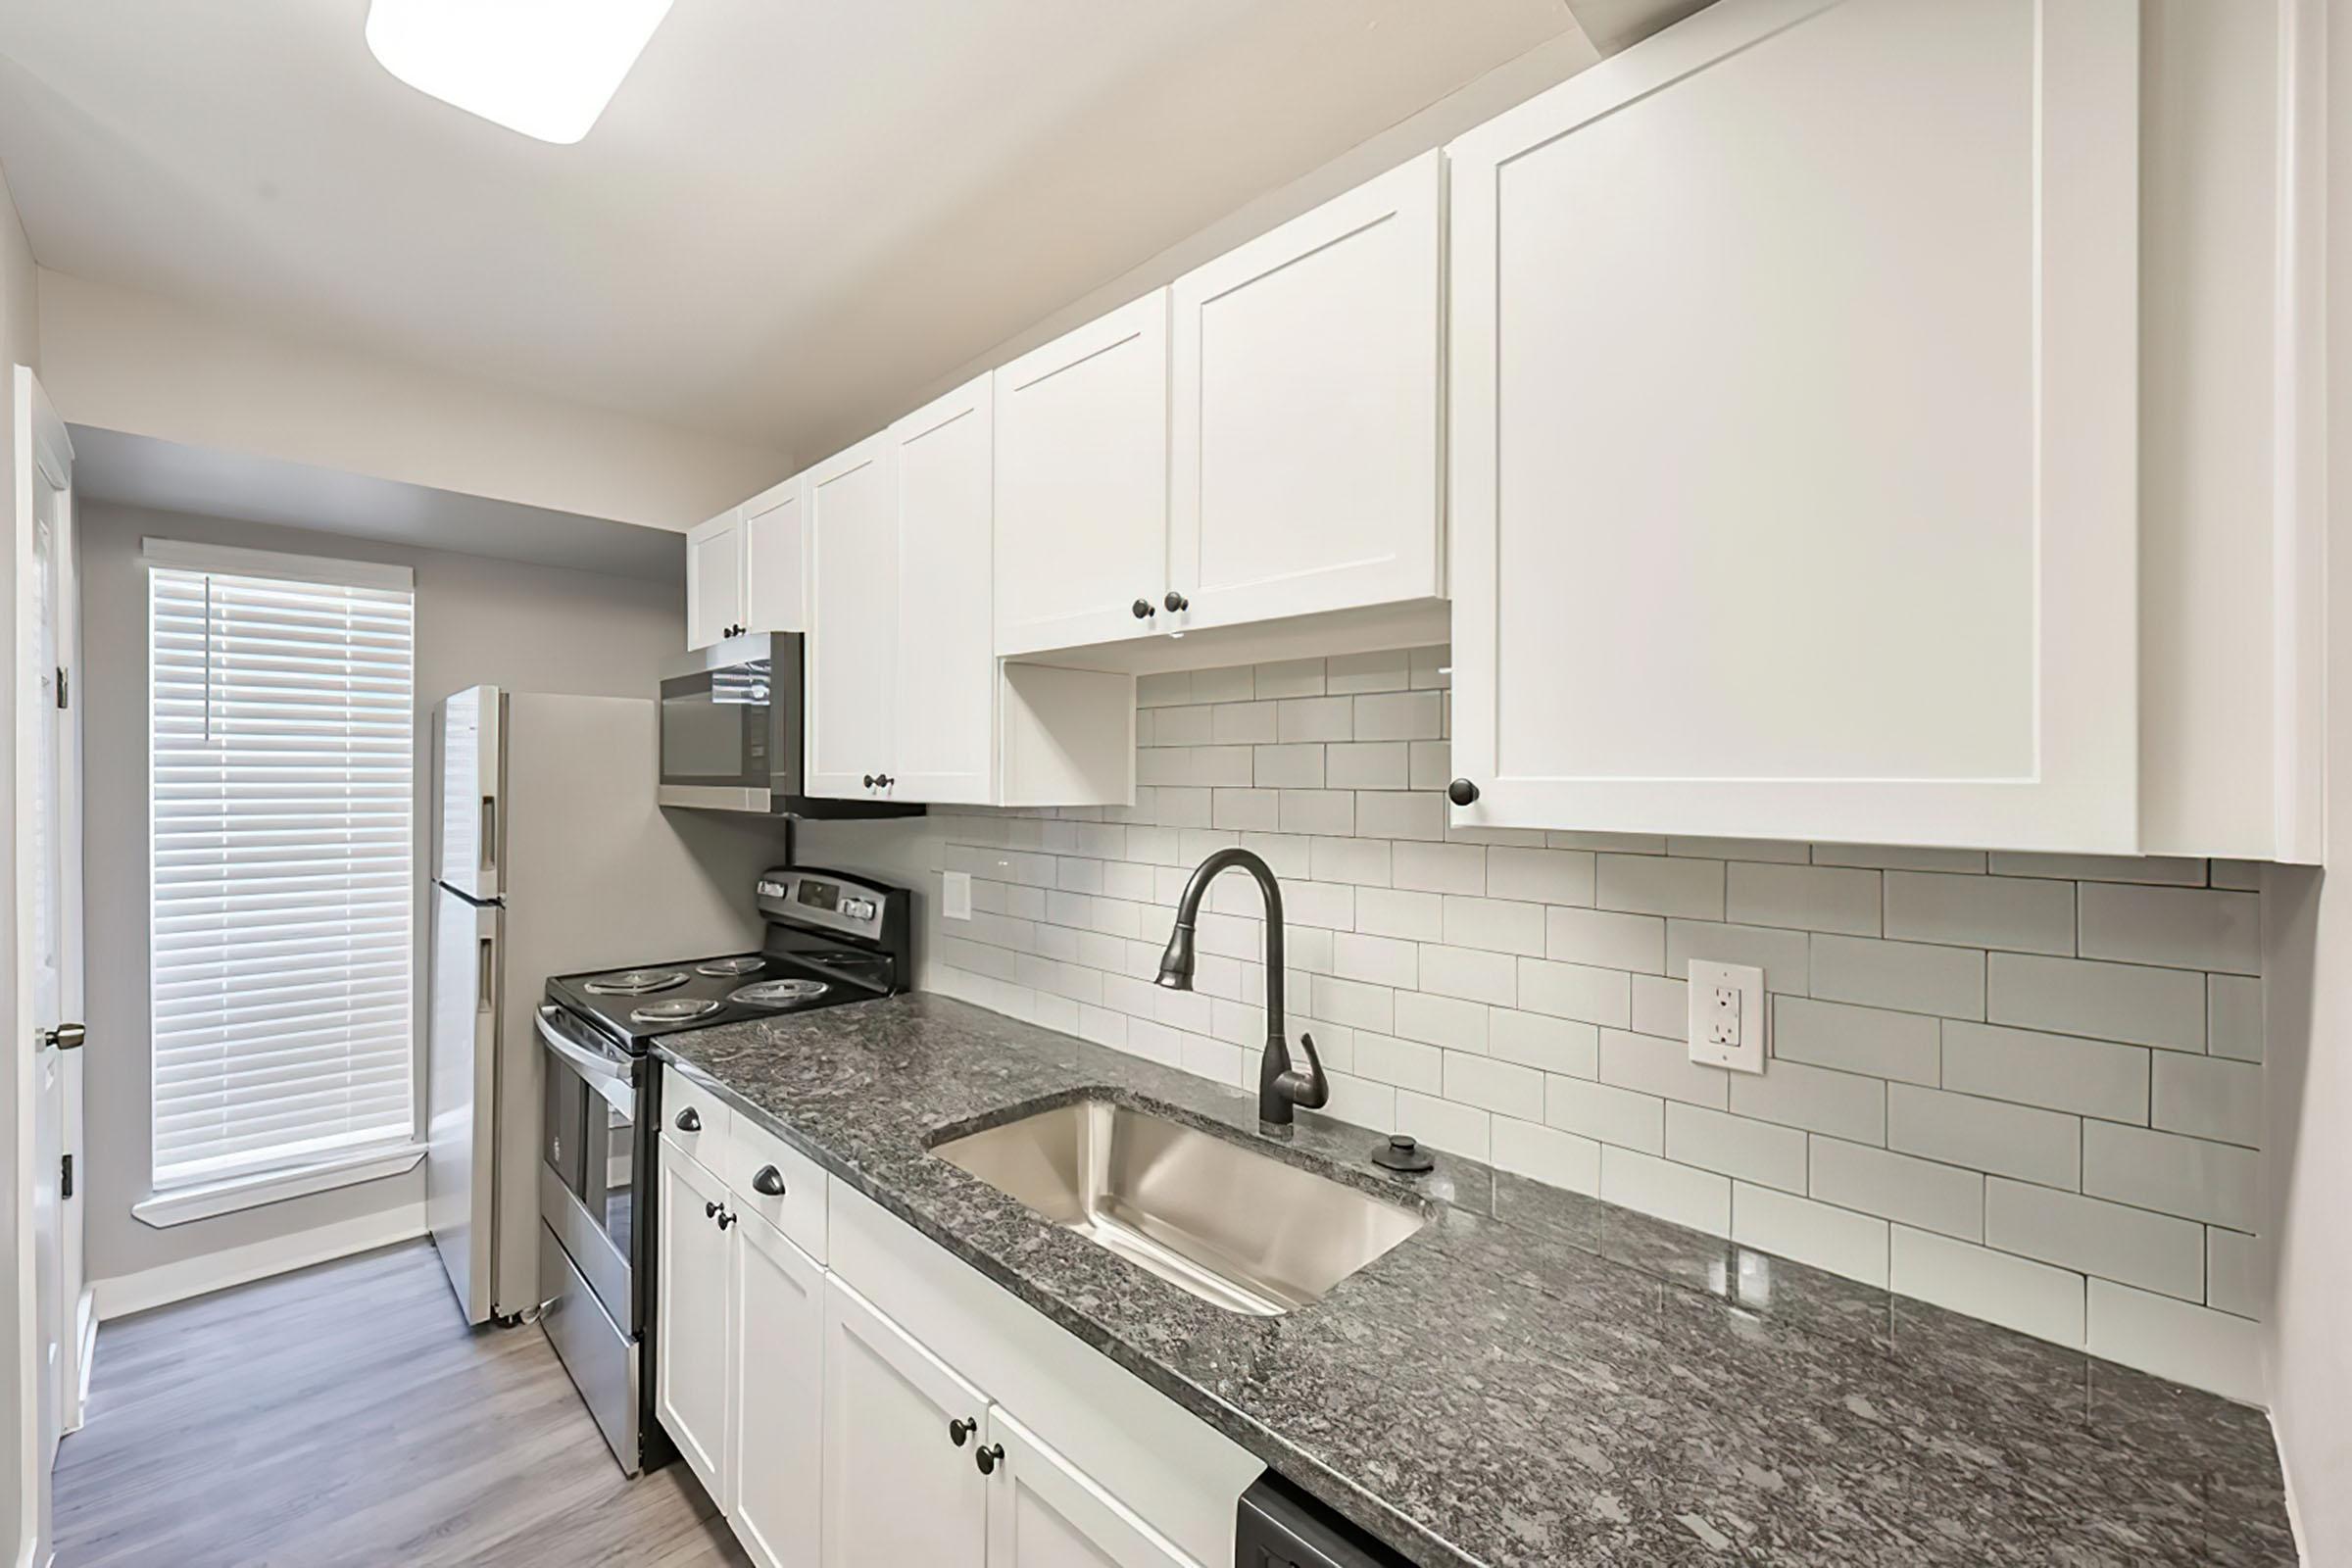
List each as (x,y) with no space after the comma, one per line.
(778,993)
(747,963)
(680,1010)
(635,982)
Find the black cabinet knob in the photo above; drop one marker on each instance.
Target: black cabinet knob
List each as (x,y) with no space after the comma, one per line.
(959,1431)
(689,1120)
(869,781)
(710,1211)
(1143,610)
(989,1458)
(725,1219)
(1461,792)
(884,780)
(1176,601)
(768,1180)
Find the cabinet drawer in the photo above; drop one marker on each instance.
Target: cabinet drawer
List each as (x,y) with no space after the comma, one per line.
(697,1120)
(799,1211)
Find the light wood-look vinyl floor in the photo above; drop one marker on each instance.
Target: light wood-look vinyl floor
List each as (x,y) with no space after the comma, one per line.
(345,1415)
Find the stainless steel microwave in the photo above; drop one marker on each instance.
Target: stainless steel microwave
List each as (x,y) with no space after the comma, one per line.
(732,722)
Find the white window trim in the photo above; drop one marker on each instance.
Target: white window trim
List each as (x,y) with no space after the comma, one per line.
(181,1205)
(178,555)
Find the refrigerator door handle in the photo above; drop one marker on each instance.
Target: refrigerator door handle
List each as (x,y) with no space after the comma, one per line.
(489,833)
(486,975)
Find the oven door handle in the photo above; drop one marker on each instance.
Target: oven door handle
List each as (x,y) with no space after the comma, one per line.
(592,1065)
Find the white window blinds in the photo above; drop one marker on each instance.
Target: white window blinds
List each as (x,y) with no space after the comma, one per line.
(282,719)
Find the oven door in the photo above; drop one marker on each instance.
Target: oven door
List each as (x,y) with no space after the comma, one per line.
(730,735)
(590,1155)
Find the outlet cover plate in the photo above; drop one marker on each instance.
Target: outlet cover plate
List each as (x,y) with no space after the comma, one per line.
(955,896)
(1728,1016)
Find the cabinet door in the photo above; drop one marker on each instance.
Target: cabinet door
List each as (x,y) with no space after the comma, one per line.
(1794,496)
(774,559)
(899,1489)
(714,579)
(1303,454)
(946,703)
(693,1307)
(1082,483)
(1043,1512)
(853,621)
(774,1464)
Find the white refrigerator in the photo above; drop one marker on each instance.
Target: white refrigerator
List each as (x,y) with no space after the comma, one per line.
(550,857)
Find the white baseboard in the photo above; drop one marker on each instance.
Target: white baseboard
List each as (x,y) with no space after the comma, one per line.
(127,1294)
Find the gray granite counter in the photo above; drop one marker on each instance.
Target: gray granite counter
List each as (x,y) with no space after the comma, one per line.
(1535,1377)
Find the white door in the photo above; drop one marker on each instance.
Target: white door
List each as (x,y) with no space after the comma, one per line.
(44,1095)
(1794,494)
(1303,455)
(694,1308)
(1044,1513)
(945,706)
(462,1100)
(774,559)
(903,1436)
(468,818)
(1081,484)
(776,1468)
(715,585)
(852,621)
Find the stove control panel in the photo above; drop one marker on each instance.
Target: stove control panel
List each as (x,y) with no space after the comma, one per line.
(827,900)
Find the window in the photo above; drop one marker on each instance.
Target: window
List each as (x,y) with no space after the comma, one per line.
(283,721)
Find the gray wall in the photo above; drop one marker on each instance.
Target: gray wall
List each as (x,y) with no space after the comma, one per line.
(530,628)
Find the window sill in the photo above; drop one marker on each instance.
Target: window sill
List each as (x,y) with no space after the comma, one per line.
(183,1205)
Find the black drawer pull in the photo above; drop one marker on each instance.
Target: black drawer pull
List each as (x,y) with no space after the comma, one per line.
(770,1181)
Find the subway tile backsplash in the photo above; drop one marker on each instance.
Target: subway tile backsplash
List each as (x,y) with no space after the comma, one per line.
(2025,1087)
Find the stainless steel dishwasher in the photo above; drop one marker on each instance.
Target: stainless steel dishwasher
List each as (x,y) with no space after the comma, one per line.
(1282,1527)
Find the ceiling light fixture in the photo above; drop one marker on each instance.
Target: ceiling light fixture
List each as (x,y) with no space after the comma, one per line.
(545,67)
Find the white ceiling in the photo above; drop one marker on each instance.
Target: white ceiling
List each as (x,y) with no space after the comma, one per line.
(138,470)
(794,208)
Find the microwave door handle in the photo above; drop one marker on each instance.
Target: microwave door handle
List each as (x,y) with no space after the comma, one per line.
(597,1068)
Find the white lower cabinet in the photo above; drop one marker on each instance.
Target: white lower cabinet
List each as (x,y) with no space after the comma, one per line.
(774,1472)
(1044,1513)
(694,1299)
(834,1433)
(900,1486)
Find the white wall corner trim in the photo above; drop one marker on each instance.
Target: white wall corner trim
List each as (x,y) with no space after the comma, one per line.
(127,1294)
(180,1205)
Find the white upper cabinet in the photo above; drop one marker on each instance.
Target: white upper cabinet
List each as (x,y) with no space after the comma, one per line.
(852,621)
(715,597)
(1305,448)
(1792,431)
(944,703)
(1082,483)
(774,557)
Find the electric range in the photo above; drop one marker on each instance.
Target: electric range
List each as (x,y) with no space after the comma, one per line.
(832,940)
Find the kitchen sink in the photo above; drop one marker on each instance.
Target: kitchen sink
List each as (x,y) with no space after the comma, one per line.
(1250,1233)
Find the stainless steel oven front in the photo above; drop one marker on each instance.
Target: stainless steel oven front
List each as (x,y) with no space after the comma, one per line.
(731,724)
(595,1152)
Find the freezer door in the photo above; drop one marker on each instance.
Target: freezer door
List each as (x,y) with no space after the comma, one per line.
(469,811)
(461,1185)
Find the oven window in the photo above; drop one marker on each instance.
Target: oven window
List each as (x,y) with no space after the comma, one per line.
(611,1177)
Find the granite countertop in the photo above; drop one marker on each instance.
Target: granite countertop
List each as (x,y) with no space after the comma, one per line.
(1536,1377)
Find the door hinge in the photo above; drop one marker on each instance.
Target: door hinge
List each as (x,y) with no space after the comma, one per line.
(60,685)
(65,1180)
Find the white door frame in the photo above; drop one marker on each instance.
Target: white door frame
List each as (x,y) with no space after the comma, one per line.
(43,452)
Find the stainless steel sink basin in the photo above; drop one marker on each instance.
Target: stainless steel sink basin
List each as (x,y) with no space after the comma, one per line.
(1232,1225)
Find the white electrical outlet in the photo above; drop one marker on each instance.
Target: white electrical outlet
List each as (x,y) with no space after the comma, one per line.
(1727,1016)
(955,896)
